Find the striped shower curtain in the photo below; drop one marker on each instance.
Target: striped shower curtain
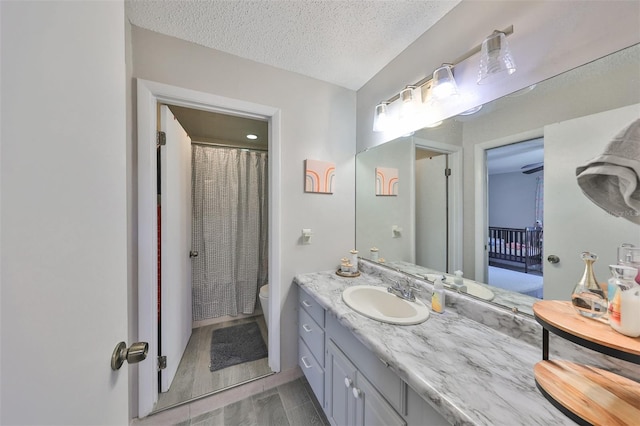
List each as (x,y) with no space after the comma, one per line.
(229,232)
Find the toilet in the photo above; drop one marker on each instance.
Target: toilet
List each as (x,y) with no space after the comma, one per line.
(264,302)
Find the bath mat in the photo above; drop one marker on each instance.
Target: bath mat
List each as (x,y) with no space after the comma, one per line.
(235,345)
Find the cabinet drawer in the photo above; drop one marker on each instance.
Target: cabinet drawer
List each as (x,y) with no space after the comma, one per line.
(312,370)
(310,305)
(312,335)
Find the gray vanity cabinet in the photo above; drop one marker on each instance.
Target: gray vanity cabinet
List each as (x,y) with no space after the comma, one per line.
(340,379)
(354,387)
(311,340)
(351,398)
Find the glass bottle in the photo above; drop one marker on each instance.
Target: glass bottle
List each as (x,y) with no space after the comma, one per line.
(587,296)
(622,294)
(629,255)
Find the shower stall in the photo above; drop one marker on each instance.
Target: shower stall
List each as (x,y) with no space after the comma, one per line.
(229,230)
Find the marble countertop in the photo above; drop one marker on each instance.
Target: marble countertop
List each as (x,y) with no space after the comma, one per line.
(471,373)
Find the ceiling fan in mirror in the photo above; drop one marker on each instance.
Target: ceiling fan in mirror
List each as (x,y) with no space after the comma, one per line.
(532,168)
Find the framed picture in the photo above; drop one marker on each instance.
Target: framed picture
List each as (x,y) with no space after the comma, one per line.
(319,176)
(386,181)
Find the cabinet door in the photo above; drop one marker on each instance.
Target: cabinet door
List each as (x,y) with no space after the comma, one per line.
(340,378)
(371,408)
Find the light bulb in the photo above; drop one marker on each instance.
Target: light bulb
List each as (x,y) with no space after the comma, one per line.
(444,85)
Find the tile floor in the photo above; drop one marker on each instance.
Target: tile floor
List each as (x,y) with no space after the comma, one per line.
(290,404)
(193,378)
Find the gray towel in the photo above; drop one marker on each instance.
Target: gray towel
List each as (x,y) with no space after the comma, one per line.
(612,180)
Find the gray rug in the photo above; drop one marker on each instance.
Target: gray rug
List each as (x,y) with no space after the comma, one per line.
(235,345)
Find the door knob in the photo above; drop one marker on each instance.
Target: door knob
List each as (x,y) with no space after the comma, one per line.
(553,258)
(193,253)
(136,353)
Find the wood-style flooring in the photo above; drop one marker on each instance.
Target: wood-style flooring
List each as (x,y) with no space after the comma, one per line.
(193,378)
(290,404)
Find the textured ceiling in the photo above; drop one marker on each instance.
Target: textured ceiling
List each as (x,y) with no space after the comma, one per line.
(341,42)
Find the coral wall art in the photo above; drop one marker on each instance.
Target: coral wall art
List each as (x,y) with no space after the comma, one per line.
(386,181)
(319,176)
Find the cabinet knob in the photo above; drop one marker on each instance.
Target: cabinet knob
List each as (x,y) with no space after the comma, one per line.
(357,393)
(348,382)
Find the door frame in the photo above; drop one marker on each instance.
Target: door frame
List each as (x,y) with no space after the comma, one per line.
(481,196)
(149,94)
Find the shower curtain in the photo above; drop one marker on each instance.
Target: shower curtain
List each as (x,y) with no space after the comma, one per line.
(229,231)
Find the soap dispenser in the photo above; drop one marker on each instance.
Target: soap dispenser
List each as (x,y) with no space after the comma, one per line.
(438,296)
(458,282)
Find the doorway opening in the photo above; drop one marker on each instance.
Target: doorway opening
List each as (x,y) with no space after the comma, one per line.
(515,206)
(149,94)
(213,171)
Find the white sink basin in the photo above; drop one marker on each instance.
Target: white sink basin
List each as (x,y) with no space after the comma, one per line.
(378,304)
(473,288)
(478,290)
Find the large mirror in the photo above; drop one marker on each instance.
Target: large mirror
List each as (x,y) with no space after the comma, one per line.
(493,193)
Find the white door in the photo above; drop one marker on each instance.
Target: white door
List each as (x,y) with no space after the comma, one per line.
(572,223)
(431,210)
(64,213)
(176,319)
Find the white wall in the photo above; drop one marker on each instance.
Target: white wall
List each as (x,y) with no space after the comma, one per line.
(549,38)
(317,122)
(512,201)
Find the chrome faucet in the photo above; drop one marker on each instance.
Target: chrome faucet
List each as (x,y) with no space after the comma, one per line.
(403,292)
(443,278)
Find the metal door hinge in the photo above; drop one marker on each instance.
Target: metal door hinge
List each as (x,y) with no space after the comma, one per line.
(447,172)
(161,139)
(162,362)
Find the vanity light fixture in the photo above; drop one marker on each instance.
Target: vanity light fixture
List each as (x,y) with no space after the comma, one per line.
(444,85)
(495,58)
(409,101)
(471,110)
(380,118)
(432,125)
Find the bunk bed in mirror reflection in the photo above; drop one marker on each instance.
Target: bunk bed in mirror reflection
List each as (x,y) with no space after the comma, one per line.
(520,246)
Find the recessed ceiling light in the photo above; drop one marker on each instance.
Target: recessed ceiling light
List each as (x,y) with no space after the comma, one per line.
(252,137)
